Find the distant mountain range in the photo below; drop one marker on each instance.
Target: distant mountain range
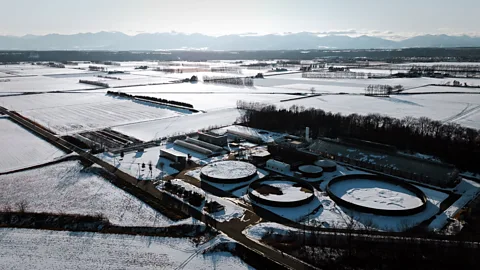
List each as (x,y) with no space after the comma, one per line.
(176,41)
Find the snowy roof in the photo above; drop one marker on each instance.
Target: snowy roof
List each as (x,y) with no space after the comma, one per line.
(229,169)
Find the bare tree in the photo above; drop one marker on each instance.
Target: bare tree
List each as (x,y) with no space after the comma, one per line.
(22,206)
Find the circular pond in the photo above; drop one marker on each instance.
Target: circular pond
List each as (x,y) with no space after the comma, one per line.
(281,192)
(377,195)
(229,171)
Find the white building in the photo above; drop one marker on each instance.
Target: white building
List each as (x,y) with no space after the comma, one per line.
(278,166)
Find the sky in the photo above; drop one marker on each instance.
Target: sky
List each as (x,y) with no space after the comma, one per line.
(384,18)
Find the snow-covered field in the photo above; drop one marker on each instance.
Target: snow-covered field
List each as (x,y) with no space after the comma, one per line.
(70,113)
(42,84)
(376,194)
(19,148)
(443,89)
(151,130)
(67,188)
(458,108)
(296,78)
(38,249)
(217,101)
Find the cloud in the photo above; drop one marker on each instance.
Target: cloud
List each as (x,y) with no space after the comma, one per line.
(337,32)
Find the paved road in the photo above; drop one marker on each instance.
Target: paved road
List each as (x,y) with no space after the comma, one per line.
(232,228)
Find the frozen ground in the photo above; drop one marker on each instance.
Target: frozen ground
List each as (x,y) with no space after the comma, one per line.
(217,101)
(151,130)
(71,113)
(376,194)
(66,188)
(458,108)
(28,69)
(322,89)
(37,249)
(42,84)
(19,148)
(205,88)
(131,163)
(290,192)
(296,78)
(443,89)
(231,209)
(469,190)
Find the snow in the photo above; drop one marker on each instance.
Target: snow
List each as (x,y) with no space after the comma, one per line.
(38,249)
(332,215)
(29,70)
(422,156)
(376,194)
(320,89)
(71,113)
(131,160)
(323,211)
(206,88)
(290,192)
(42,84)
(217,101)
(231,209)
(67,188)
(237,189)
(296,78)
(21,148)
(458,108)
(152,130)
(264,135)
(444,89)
(230,169)
(257,231)
(298,214)
(470,190)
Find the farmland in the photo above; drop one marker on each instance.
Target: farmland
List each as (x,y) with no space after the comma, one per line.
(66,188)
(147,136)
(22,249)
(21,149)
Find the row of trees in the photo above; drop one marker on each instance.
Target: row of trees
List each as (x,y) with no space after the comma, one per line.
(96,83)
(450,142)
(343,75)
(381,89)
(233,70)
(228,80)
(352,250)
(173,102)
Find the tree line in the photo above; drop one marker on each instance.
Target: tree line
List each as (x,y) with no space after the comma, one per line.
(173,102)
(450,142)
(228,80)
(382,90)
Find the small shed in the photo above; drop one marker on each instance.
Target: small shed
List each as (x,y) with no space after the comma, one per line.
(278,166)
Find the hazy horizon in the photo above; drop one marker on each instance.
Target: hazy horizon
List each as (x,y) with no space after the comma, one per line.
(391,20)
